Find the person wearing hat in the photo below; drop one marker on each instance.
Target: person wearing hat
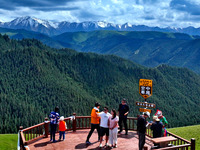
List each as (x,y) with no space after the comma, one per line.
(163,120)
(95,121)
(62,128)
(141,128)
(156,127)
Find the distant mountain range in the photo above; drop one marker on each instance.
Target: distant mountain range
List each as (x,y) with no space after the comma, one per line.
(148,48)
(54,28)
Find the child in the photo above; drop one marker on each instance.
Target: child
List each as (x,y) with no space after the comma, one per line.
(62,128)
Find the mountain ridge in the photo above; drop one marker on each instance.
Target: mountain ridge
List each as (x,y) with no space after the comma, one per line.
(148,48)
(54,28)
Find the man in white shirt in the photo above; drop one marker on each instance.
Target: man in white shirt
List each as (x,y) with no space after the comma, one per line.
(104,128)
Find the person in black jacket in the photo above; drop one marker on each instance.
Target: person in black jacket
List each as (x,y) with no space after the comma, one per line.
(123,113)
(141,128)
(156,127)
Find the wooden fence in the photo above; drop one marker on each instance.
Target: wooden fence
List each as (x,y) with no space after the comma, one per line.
(31,134)
(180,144)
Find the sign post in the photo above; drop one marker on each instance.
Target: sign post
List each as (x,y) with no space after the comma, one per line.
(145,110)
(145,90)
(145,104)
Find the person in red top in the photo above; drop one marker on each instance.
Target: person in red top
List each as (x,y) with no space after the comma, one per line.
(95,120)
(62,128)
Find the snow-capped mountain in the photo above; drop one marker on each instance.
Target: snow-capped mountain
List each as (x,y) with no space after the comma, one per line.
(52,28)
(31,24)
(85,26)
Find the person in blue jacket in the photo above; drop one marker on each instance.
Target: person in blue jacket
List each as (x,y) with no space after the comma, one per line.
(54,117)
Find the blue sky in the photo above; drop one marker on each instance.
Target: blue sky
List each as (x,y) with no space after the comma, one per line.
(162,13)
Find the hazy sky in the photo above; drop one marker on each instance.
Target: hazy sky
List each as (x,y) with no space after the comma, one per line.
(174,13)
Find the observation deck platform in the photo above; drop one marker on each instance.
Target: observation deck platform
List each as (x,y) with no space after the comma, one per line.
(37,137)
(76,140)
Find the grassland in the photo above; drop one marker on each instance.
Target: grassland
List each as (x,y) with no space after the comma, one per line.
(8,141)
(188,132)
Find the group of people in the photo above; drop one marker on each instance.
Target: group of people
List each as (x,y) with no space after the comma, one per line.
(104,122)
(107,124)
(55,120)
(158,126)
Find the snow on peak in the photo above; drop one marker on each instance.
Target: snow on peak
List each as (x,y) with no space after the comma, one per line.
(33,21)
(42,22)
(127,25)
(46,23)
(102,24)
(119,26)
(54,24)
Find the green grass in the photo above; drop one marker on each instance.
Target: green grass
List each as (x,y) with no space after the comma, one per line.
(188,132)
(8,141)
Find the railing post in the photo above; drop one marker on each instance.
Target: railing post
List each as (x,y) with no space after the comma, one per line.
(46,126)
(21,141)
(74,122)
(192,144)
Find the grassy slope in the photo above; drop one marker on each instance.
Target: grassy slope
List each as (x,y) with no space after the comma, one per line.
(188,132)
(8,141)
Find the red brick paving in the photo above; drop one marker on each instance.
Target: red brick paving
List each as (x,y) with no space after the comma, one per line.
(76,140)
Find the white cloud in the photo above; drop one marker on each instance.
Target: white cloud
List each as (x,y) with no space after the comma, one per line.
(117,1)
(148,12)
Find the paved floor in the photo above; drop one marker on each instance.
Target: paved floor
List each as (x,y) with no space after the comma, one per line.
(76,140)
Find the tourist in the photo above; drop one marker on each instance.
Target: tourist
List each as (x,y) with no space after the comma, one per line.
(164,122)
(104,129)
(62,128)
(113,127)
(141,128)
(123,113)
(54,117)
(156,127)
(94,122)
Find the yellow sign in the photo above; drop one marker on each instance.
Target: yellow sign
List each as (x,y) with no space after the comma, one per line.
(145,110)
(145,88)
(145,104)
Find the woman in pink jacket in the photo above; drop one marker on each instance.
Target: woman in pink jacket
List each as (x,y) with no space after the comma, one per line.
(113,128)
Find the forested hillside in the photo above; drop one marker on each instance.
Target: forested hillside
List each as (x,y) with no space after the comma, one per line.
(146,48)
(35,78)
